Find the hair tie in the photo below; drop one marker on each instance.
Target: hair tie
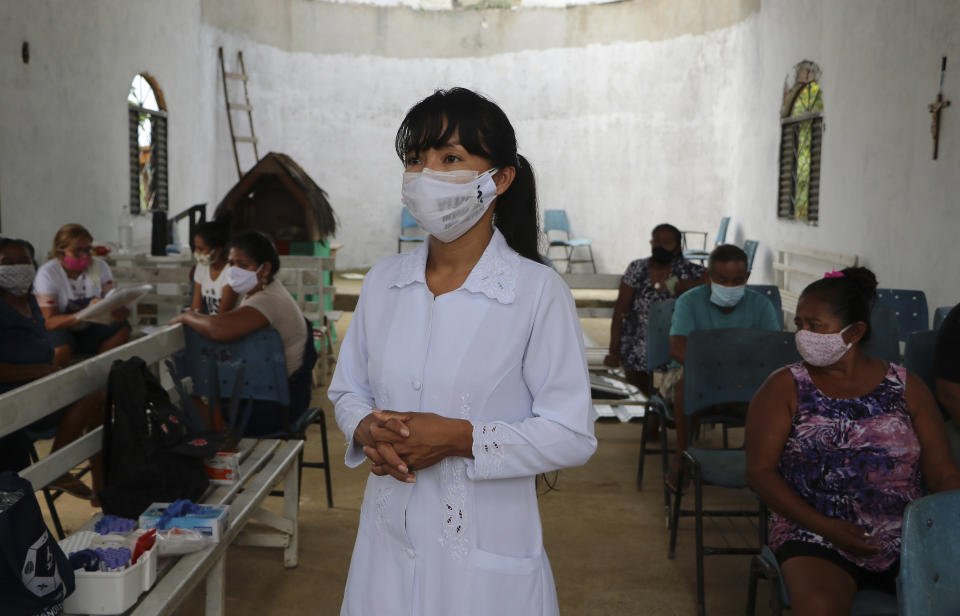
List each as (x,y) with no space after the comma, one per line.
(834,274)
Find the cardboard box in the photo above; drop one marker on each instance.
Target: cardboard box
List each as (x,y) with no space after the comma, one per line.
(211,524)
(224,468)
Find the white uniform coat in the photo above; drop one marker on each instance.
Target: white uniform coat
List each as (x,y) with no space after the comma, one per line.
(505,352)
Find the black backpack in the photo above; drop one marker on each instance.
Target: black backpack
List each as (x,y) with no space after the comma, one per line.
(35,576)
(153,450)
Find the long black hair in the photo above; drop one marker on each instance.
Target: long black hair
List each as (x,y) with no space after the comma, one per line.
(484,130)
(850,296)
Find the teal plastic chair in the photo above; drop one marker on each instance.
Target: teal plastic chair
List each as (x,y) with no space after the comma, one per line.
(910,308)
(773,294)
(919,357)
(407,221)
(723,366)
(659,321)
(704,254)
(939,315)
(750,247)
(764,565)
(929,580)
(556,220)
(254,368)
(883,342)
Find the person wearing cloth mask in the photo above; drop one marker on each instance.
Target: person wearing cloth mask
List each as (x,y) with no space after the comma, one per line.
(837,447)
(211,293)
(70,281)
(724,303)
(253,265)
(26,354)
(947,370)
(475,347)
(662,275)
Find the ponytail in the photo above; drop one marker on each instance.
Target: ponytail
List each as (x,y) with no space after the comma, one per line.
(515,213)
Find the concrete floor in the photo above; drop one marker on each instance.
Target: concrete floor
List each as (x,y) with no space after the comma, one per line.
(606,540)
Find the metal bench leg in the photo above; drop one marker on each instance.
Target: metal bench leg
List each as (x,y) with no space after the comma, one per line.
(217,588)
(291,511)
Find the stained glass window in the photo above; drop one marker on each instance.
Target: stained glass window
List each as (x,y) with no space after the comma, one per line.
(801,136)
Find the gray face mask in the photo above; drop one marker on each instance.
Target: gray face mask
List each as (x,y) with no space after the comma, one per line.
(726,297)
(17,279)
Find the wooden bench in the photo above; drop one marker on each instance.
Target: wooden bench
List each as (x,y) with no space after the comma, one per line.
(264,464)
(593,282)
(798,266)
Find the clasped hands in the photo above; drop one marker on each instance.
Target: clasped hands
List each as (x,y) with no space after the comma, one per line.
(398,444)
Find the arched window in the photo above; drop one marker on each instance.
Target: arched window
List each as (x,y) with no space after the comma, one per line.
(801,137)
(148,145)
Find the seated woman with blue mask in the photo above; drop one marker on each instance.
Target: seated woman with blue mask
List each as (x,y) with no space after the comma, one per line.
(26,354)
(253,265)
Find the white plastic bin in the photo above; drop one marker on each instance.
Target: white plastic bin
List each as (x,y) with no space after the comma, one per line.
(101,592)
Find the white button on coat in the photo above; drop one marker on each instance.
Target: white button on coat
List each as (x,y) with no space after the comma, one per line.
(505,352)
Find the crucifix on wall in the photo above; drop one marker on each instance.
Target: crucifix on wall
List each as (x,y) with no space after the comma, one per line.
(935,108)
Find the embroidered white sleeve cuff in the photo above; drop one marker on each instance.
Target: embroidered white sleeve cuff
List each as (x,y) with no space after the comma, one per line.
(487,451)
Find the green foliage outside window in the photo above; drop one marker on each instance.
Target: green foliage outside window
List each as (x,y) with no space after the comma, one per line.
(809,99)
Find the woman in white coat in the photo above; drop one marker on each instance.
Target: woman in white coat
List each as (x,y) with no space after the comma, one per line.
(462,376)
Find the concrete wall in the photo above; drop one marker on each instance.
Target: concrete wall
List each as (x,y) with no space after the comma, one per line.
(63,117)
(881,195)
(632,113)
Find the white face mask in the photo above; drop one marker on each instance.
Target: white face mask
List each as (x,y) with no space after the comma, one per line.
(16,279)
(822,349)
(240,280)
(448,203)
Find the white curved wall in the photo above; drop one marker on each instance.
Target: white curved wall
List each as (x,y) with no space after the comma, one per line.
(633,113)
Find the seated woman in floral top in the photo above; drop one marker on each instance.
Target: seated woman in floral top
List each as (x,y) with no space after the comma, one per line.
(662,275)
(837,447)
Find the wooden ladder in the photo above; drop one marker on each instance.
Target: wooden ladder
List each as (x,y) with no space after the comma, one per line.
(231,107)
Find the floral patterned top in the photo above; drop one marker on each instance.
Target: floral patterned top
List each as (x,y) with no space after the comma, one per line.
(633,333)
(856,459)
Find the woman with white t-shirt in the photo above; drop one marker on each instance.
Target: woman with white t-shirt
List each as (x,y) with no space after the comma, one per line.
(211,293)
(66,284)
(253,264)
(475,348)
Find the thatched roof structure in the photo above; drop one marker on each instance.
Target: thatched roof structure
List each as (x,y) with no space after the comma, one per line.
(277,197)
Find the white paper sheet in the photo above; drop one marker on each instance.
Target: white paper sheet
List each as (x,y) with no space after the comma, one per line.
(117,298)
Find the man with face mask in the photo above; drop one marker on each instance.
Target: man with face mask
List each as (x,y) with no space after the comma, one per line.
(725,302)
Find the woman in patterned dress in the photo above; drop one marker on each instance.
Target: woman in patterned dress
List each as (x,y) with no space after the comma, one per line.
(662,275)
(837,446)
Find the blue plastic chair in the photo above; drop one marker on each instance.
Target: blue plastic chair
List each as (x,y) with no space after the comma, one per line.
(659,321)
(919,357)
(704,254)
(939,315)
(910,308)
(254,368)
(723,366)
(883,342)
(556,220)
(773,294)
(765,565)
(407,221)
(750,247)
(929,580)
